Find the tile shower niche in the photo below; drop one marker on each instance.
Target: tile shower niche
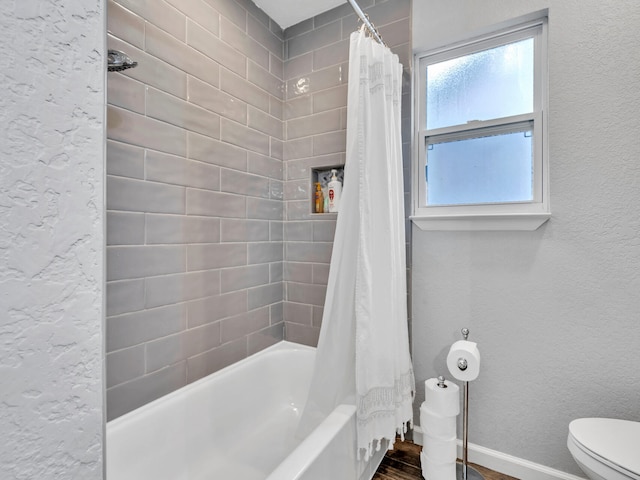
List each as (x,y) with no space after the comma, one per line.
(322,175)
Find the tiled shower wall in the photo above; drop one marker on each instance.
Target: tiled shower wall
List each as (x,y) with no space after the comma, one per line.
(316,74)
(194,193)
(211,240)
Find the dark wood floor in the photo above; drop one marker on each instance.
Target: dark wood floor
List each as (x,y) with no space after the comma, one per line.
(403,463)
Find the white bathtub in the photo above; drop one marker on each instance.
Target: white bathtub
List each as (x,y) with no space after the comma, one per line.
(238,423)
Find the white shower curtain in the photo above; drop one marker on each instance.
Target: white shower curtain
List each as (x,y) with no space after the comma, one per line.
(363,350)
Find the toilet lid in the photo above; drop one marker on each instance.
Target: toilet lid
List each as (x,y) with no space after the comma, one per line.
(617,441)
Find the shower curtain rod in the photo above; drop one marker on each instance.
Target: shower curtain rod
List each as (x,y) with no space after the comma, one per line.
(365,19)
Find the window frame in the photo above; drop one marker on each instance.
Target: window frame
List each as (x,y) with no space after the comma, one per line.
(486,216)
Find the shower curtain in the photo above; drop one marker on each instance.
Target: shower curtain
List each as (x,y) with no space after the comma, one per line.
(363,349)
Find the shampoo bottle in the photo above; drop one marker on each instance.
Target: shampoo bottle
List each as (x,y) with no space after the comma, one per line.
(335,190)
(319,199)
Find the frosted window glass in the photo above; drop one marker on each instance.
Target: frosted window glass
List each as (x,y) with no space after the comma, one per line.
(488,169)
(493,83)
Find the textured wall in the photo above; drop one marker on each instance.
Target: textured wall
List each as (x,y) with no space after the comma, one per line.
(51,241)
(194,193)
(555,311)
(316,73)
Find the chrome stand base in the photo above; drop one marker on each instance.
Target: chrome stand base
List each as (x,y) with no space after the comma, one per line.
(471,473)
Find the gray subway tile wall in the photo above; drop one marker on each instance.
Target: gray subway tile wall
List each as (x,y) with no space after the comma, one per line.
(213,253)
(195,182)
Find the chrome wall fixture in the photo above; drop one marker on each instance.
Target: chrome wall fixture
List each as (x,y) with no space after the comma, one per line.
(118,61)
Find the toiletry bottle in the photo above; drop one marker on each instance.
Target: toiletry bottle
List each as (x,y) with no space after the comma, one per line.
(325,193)
(335,190)
(319,198)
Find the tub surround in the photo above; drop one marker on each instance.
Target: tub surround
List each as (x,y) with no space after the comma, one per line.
(212,251)
(194,194)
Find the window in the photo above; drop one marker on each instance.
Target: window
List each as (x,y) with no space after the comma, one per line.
(481,134)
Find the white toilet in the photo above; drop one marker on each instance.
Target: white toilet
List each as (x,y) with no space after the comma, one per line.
(606,448)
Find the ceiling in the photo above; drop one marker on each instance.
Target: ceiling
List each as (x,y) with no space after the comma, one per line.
(289,12)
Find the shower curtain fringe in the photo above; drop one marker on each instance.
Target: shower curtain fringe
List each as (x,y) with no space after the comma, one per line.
(403,389)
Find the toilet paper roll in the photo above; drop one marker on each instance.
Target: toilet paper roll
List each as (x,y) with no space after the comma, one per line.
(439,450)
(437,426)
(437,471)
(464,349)
(442,401)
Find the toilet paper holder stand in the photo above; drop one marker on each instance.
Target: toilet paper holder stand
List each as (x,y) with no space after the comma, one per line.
(464,471)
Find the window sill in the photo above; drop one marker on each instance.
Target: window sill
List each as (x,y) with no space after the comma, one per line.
(490,222)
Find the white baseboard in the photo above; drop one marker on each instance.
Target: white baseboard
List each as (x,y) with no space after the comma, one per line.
(503,463)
